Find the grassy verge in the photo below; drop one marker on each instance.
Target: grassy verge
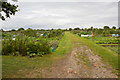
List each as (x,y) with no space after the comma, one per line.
(19,67)
(65,45)
(115,49)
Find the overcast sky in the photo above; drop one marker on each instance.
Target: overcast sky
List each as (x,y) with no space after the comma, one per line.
(46,15)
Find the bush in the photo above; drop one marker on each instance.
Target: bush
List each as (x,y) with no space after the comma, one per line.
(25,46)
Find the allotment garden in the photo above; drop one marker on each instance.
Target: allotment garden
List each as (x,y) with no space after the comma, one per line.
(30,42)
(107,37)
(27,53)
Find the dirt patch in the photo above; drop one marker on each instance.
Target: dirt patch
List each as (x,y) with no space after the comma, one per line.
(81,63)
(96,68)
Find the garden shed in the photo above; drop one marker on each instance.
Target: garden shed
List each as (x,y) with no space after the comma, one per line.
(86,35)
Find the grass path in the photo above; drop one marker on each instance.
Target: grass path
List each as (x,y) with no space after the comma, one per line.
(85,61)
(23,67)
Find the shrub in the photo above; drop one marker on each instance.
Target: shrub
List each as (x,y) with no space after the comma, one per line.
(55,33)
(25,46)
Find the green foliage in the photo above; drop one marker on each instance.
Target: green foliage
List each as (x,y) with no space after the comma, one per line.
(29,41)
(75,31)
(85,33)
(81,32)
(24,46)
(106,27)
(105,40)
(55,33)
(115,49)
(113,27)
(30,33)
(13,30)
(20,29)
(97,32)
(8,9)
(77,28)
(70,29)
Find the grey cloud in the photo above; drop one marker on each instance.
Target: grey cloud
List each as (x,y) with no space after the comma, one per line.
(63,15)
(68,0)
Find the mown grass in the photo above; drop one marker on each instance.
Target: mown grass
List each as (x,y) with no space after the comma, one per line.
(19,66)
(65,45)
(115,49)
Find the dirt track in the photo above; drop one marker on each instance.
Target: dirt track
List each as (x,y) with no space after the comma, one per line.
(81,63)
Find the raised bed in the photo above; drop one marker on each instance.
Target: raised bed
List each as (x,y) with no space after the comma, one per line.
(111,45)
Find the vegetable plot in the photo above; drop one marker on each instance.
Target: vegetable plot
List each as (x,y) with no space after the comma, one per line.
(105,40)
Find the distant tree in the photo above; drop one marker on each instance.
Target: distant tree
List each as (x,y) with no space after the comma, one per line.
(20,29)
(113,27)
(70,29)
(112,31)
(28,28)
(42,30)
(85,29)
(118,27)
(59,29)
(37,29)
(94,30)
(2,30)
(13,30)
(30,33)
(77,28)
(91,28)
(106,27)
(103,34)
(7,9)
(65,29)
(52,29)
